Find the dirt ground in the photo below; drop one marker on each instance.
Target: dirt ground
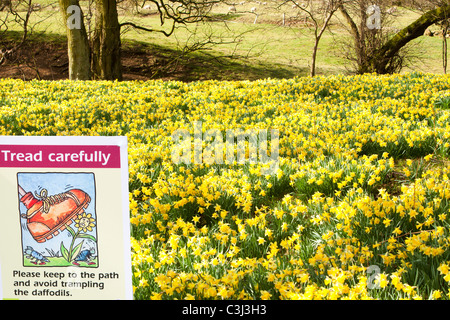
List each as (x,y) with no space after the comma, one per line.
(37,59)
(49,61)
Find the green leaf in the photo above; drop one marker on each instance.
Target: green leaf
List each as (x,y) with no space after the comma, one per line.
(64,252)
(87,236)
(76,251)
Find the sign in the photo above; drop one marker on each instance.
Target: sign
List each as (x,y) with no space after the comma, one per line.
(65,231)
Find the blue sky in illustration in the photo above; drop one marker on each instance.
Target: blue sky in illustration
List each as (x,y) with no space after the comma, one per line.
(56,183)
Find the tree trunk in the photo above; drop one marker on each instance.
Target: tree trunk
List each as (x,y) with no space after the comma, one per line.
(379,62)
(312,72)
(317,36)
(357,39)
(445,27)
(77,41)
(106,64)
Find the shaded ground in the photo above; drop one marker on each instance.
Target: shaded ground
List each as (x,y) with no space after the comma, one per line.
(47,60)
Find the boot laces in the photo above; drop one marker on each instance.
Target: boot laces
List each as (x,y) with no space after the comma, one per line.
(49,201)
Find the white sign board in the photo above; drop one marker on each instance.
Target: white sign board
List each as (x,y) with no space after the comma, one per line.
(65,218)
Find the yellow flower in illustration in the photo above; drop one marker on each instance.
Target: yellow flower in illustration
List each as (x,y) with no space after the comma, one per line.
(85,222)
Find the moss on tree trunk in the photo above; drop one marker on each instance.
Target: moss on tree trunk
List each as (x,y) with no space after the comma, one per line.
(106,64)
(383,57)
(77,43)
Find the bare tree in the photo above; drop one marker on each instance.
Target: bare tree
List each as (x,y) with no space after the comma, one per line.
(387,56)
(423,6)
(445,28)
(319,14)
(175,13)
(106,44)
(370,25)
(19,13)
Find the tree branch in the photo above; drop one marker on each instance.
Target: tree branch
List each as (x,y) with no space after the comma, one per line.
(414,30)
(131,24)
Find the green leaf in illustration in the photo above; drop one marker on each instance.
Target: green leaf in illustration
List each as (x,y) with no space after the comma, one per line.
(76,251)
(87,236)
(64,252)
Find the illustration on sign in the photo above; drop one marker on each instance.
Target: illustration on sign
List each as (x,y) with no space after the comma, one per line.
(58,219)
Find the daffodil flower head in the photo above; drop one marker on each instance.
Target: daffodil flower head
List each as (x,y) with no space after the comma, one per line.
(85,222)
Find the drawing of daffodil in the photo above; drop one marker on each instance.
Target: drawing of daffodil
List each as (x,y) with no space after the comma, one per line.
(83,223)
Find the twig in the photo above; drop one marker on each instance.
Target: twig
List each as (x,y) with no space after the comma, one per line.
(167,34)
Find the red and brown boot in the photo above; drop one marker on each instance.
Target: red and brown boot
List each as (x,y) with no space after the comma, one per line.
(48,214)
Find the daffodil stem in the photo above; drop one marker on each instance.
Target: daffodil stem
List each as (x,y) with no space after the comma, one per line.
(72,243)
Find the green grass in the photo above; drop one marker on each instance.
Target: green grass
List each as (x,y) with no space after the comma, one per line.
(59,262)
(54,261)
(261,50)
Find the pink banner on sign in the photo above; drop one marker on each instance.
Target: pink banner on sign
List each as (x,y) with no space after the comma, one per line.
(61,156)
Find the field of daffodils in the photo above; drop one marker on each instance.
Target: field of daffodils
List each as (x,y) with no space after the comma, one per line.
(358,207)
